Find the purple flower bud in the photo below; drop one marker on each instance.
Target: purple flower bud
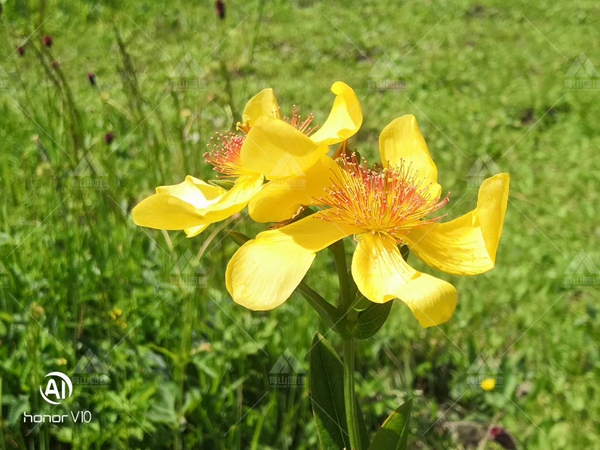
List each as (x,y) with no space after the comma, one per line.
(21,51)
(109,138)
(47,41)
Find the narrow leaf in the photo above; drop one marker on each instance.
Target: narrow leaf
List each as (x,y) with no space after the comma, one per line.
(327,395)
(237,237)
(326,382)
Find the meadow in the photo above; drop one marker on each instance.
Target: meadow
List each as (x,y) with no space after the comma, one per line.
(94,116)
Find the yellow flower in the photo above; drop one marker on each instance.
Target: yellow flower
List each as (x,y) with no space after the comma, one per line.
(381,208)
(271,149)
(488,384)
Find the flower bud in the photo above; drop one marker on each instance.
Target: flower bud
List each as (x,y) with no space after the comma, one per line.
(21,51)
(503,437)
(47,41)
(109,138)
(220,8)
(92,78)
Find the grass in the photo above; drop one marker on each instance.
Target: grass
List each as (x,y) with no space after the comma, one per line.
(190,369)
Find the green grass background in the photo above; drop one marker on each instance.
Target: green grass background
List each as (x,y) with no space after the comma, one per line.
(191,369)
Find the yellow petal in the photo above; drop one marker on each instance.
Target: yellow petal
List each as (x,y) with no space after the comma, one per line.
(265,271)
(381,274)
(467,245)
(280,200)
(488,384)
(344,119)
(262,104)
(193,205)
(234,200)
(195,231)
(194,191)
(402,141)
(277,150)
(166,212)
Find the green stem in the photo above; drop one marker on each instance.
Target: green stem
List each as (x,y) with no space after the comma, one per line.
(350,395)
(339,255)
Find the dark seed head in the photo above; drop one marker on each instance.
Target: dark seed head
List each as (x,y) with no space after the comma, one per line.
(92,78)
(220,8)
(109,138)
(21,51)
(503,437)
(47,41)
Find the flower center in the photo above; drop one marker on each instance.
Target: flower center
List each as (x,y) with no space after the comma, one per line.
(384,200)
(225,152)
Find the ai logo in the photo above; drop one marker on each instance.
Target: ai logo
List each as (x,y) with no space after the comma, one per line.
(53,394)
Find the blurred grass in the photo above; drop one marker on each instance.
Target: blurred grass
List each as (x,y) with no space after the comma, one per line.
(191,370)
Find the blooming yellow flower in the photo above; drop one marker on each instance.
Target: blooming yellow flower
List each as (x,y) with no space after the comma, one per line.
(488,384)
(271,149)
(381,208)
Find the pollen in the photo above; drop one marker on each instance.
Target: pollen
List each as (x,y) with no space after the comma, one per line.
(384,200)
(224,154)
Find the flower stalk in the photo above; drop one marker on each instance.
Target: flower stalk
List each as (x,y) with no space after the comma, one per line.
(345,305)
(350,394)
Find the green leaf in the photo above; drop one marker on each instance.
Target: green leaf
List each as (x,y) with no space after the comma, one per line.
(371,320)
(327,396)
(393,434)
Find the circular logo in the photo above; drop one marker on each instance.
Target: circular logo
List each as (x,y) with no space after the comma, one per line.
(56,388)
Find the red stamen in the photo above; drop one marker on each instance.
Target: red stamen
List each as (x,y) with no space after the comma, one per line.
(301,125)
(225,154)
